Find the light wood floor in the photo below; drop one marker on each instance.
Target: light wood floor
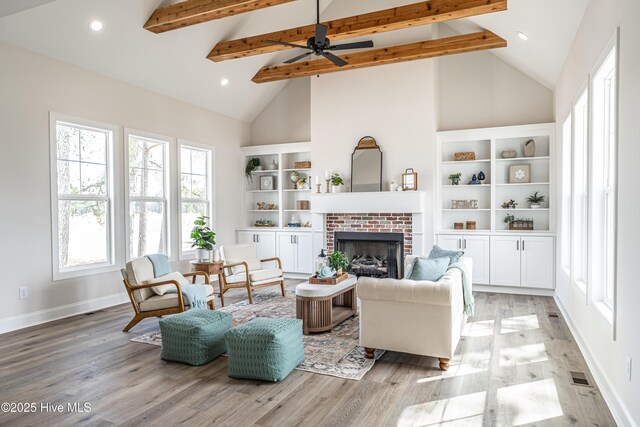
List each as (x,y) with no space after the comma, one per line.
(511,368)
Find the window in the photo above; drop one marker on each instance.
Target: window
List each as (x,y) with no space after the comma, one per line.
(566,195)
(147,165)
(603,178)
(82,205)
(195,190)
(580,193)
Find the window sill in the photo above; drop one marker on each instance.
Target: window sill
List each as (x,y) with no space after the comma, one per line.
(605,315)
(83,272)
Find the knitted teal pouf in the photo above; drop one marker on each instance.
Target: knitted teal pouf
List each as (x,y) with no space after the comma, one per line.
(195,337)
(265,349)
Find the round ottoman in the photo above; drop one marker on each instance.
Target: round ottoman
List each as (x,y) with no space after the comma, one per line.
(194,337)
(265,349)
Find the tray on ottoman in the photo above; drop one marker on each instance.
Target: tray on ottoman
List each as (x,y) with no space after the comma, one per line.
(315,280)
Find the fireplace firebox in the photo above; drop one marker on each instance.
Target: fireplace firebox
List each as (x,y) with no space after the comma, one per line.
(373,254)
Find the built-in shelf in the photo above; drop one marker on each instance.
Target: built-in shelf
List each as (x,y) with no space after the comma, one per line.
(296,210)
(523,209)
(294,190)
(523,159)
(467,186)
(263,210)
(466,210)
(296,170)
(457,162)
(262,191)
(513,184)
(265,171)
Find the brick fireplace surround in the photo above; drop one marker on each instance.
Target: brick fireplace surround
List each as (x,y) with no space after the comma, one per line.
(370,223)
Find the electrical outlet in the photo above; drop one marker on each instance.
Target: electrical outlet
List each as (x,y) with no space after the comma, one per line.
(627,367)
(24,292)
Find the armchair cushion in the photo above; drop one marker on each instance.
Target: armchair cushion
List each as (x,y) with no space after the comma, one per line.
(429,269)
(170,300)
(270,273)
(252,263)
(163,289)
(139,272)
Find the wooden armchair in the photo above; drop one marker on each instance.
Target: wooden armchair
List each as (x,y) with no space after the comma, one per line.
(243,269)
(147,303)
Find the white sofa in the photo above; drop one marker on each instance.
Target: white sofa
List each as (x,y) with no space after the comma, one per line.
(416,317)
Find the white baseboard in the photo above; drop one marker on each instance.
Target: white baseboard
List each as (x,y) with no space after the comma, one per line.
(618,409)
(514,290)
(43,316)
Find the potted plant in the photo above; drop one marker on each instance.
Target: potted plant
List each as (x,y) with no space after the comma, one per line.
(455,178)
(252,165)
(336,183)
(338,261)
(535,200)
(203,238)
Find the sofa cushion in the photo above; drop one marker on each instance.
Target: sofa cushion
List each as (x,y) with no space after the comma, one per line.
(429,269)
(170,300)
(438,252)
(163,289)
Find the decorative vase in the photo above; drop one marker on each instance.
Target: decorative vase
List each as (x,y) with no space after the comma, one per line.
(216,255)
(336,188)
(455,181)
(509,154)
(393,186)
(203,255)
(274,165)
(294,177)
(481,176)
(530,148)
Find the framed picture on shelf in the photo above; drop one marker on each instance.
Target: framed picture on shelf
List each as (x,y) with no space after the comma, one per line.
(266,183)
(519,174)
(410,180)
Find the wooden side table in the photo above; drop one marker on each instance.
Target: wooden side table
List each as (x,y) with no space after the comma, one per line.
(213,268)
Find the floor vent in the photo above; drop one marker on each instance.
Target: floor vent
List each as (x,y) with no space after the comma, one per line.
(554,315)
(579,378)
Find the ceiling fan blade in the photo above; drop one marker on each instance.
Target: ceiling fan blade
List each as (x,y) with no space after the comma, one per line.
(284,43)
(321,34)
(355,45)
(298,58)
(336,60)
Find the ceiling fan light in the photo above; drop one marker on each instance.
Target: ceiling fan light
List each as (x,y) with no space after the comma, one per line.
(96,25)
(224,82)
(523,36)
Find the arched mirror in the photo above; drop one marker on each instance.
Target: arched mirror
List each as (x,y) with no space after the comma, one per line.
(366,166)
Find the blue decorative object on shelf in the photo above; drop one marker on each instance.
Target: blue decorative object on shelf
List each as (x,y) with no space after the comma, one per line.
(481,176)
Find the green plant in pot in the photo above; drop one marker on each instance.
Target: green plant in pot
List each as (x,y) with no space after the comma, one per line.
(455,178)
(338,261)
(203,238)
(252,165)
(535,201)
(336,183)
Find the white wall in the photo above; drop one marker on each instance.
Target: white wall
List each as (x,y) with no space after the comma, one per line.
(31,87)
(396,104)
(606,355)
(479,90)
(287,118)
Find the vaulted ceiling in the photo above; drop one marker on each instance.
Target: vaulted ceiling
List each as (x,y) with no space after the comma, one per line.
(174,63)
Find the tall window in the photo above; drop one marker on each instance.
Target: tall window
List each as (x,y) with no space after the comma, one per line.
(566,194)
(195,190)
(148,195)
(580,193)
(82,190)
(603,175)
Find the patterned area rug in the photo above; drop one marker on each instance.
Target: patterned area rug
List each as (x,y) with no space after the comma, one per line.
(334,353)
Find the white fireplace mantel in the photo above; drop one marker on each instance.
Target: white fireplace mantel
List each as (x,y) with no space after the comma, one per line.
(380,202)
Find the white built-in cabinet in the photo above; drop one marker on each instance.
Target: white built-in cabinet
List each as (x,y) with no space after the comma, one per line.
(474,247)
(522,261)
(501,257)
(265,242)
(295,252)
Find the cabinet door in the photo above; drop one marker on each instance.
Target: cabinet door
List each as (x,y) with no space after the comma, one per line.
(505,260)
(287,252)
(537,262)
(477,248)
(266,245)
(246,237)
(450,242)
(305,262)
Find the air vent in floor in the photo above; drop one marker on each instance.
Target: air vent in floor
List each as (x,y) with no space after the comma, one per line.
(579,378)
(553,315)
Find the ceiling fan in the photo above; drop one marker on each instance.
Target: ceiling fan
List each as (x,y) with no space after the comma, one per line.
(320,45)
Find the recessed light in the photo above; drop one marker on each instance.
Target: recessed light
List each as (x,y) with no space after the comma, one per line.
(224,82)
(523,36)
(96,25)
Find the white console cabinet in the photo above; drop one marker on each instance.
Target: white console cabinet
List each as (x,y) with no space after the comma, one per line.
(524,261)
(474,247)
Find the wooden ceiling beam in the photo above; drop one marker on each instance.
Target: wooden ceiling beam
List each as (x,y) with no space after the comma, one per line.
(410,52)
(397,18)
(192,12)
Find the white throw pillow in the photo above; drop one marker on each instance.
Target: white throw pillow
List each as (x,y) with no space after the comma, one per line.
(163,289)
(252,263)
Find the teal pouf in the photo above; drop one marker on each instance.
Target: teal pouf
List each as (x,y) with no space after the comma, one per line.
(195,337)
(265,349)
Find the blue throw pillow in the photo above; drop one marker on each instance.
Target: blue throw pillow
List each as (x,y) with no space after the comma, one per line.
(429,269)
(438,252)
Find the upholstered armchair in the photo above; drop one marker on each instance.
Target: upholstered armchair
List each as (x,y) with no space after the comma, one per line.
(243,269)
(139,281)
(416,317)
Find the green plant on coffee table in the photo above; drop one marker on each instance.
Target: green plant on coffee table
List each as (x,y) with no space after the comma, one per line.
(338,261)
(336,179)
(203,237)
(252,165)
(534,199)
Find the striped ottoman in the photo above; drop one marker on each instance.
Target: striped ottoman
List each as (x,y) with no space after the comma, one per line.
(195,337)
(265,349)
